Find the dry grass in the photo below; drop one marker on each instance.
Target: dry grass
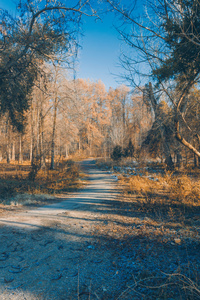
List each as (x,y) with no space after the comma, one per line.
(15,181)
(166,205)
(180,190)
(174,202)
(162,209)
(169,286)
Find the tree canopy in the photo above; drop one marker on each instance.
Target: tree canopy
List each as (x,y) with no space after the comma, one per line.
(181,24)
(41,31)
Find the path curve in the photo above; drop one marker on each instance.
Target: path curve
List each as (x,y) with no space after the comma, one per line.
(77,204)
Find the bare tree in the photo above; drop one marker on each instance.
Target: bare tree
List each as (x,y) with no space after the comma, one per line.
(165,49)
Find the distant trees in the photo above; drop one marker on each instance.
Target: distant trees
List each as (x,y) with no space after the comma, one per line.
(118,99)
(130,117)
(74,116)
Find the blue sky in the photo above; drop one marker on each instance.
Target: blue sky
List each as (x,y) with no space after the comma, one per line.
(99,56)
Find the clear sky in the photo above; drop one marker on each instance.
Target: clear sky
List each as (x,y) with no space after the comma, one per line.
(99,56)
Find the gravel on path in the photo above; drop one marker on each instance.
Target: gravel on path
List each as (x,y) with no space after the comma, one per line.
(51,252)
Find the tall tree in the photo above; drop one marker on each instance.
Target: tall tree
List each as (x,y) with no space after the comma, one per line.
(166,49)
(40,31)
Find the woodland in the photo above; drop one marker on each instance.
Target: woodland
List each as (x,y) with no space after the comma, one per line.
(45,113)
(49,119)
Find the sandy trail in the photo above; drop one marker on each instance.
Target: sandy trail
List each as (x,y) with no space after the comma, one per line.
(51,252)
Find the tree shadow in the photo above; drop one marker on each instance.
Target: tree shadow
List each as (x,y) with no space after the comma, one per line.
(69,258)
(54,262)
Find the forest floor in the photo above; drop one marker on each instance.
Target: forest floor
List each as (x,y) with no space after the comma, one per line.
(97,243)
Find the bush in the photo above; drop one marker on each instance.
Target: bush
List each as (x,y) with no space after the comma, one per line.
(117,153)
(129,150)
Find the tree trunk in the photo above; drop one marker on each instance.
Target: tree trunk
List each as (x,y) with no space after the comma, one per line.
(166,143)
(179,160)
(183,141)
(168,157)
(32,136)
(195,161)
(79,145)
(53,137)
(8,153)
(123,121)
(8,146)
(31,152)
(20,149)
(41,141)
(38,133)
(186,158)
(66,151)
(13,151)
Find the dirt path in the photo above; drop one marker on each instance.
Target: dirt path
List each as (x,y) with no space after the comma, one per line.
(52,252)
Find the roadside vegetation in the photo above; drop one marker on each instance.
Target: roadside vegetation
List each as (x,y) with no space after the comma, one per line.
(158,217)
(19,185)
(168,197)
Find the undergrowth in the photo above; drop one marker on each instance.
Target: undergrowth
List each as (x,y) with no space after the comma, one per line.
(181,191)
(159,208)
(168,286)
(15,181)
(174,202)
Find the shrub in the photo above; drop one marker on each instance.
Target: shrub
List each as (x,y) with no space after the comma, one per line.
(117,153)
(129,150)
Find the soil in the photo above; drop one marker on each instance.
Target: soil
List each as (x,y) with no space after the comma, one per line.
(91,245)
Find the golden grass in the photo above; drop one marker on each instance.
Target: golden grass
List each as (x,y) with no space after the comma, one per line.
(15,180)
(175,189)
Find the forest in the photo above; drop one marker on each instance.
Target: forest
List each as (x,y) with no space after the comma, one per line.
(68,117)
(46,114)
(123,161)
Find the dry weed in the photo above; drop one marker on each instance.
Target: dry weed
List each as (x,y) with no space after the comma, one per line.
(141,185)
(168,286)
(184,190)
(181,190)
(13,186)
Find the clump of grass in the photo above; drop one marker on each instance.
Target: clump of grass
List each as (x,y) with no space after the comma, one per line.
(141,185)
(59,180)
(27,199)
(171,200)
(184,190)
(175,190)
